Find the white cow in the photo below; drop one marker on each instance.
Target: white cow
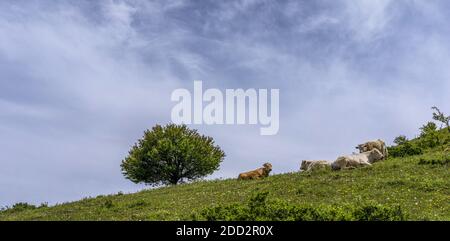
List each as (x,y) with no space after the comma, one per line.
(310,165)
(357,160)
(374,144)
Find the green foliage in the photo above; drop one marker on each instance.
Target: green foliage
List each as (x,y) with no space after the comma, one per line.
(171,154)
(108,203)
(19,207)
(43,205)
(140,203)
(259,208)
(439,116)
(429,127)
(378,213)
(439,160)
(429,136)
(404,150)
(399,140)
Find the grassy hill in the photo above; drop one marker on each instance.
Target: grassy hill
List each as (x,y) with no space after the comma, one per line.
(419,184)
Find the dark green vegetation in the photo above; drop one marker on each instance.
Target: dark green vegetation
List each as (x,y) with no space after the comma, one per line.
(171,154)
(411,186)
(429,139)
(259,208)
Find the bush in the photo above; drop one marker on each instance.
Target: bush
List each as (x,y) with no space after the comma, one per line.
(260,209)
(23,206)
(43,205)
(399,140)
(429,136)
(19,207)
(404,150)
(171,154)
(378,213)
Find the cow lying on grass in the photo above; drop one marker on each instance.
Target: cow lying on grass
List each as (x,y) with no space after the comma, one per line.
(375,144)
(311,165)
(357,160)
(256,174)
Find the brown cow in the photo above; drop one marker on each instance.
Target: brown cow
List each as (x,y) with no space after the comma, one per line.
(257,174)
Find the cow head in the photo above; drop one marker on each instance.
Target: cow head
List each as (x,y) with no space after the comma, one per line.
(362,147)
(335,166)
(267,168)
(375,155)
(305,164)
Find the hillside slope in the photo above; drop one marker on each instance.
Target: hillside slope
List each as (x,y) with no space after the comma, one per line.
(420,184)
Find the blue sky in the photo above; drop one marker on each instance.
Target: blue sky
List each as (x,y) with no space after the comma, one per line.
(81,80)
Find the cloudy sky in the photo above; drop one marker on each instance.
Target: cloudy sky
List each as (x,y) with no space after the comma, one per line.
(81,80)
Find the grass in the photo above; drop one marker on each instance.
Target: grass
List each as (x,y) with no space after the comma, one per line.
(419,184)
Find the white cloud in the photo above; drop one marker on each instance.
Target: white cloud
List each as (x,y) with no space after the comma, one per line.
(368,19)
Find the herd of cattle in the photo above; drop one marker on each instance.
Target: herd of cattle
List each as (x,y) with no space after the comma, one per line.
(369,153)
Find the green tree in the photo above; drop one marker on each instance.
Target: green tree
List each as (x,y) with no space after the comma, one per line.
(171,154)
(428,128)
(429,136)
(439,116)
(404,147)
(399,140)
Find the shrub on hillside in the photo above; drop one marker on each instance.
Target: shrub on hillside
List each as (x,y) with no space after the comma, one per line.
(429,136)
(260,209)
(378,213)
(399,140)
(404,150)
(19,207)
(23,206)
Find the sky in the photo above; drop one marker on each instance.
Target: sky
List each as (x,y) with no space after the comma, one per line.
(81,80)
